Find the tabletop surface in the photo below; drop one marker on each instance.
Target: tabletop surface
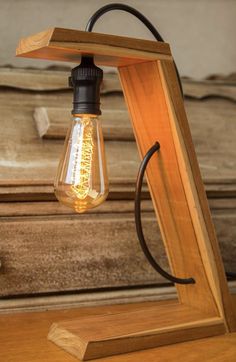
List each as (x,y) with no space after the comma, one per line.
(23,339)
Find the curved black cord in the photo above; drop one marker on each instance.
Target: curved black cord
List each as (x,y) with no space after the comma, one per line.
(138,222)
(230,276)
(127,8)
(117,6)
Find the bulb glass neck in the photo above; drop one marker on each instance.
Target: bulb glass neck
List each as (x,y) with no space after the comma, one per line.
(87,115)
(86,81)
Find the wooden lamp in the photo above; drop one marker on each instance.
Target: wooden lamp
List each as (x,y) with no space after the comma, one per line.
(153,95)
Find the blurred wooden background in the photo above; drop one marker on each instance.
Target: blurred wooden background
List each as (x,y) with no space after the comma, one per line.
(45,248)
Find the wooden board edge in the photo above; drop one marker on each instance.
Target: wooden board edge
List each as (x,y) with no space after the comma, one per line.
(68,45)
(22,47)
(62,35)
(191,193)
(136,343)
(90,349)
(66,340)
(41,120)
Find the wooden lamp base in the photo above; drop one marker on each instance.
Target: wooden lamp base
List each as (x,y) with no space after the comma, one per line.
(155,104)
(108,334)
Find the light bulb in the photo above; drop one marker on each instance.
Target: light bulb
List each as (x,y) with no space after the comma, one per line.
(81,182)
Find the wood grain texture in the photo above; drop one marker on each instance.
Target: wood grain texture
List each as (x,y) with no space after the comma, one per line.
(28,178)
(111,334)
(21,156)
(68,45)
(23,338)
(152,122)
(42,261)
(219,207)
(52,123)
(206,119)
(42,190)
(194,190)
(210,88)
(32,79)
(56,253)
(91,299)
(56,79)
(23,151)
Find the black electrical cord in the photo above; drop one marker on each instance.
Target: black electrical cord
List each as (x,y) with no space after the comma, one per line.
(149,154)
(116,6)
(89,27)
(138,222)
(138,189)
(230,276)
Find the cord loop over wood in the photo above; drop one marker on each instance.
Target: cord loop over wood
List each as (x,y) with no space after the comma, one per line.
(137,210)
(117,6)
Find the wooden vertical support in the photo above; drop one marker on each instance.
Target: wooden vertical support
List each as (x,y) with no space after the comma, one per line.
(195,192)
(157,112)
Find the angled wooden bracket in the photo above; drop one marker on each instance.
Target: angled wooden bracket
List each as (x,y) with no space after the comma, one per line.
(156,108)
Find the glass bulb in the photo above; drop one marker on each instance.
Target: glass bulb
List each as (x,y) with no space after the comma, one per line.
(81,182)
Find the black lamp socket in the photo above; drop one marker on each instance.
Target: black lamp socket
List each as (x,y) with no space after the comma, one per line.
(86,81)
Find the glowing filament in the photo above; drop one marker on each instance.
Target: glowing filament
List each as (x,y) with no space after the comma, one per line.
(81,182)
(82,162)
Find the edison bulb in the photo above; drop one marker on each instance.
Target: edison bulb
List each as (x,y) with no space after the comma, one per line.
(81,182)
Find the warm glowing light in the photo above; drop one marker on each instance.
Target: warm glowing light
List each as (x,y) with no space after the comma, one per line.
(81,181)
(82,154)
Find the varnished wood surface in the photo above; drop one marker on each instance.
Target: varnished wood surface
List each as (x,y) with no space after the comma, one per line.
(23,339)
(195,193)
(68,45)
(152,121)
(116,333)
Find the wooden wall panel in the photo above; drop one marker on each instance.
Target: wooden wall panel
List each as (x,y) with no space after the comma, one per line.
(46,248)
(59,253)
(27,168)
(22,150)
